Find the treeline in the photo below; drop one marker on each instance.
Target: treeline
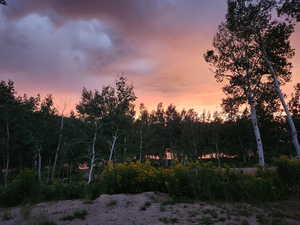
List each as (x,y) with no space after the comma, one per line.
(107,126)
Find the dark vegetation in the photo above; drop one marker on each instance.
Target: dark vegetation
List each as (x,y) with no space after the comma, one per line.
(42,149)
(198,181)
(78,214)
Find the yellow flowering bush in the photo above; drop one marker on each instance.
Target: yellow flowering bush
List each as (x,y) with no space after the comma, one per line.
(194,180)
(133,177)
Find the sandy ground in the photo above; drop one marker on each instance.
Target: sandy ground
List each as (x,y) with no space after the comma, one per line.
(150,209)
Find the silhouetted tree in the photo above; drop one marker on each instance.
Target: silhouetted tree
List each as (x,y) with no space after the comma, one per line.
(253,20)
(238,66)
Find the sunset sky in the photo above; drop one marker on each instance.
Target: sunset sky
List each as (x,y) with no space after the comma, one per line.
(60,46)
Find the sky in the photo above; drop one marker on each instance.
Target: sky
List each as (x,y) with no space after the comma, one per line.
(60,46)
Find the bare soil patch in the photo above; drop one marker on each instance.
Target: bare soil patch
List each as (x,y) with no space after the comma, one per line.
(151,209)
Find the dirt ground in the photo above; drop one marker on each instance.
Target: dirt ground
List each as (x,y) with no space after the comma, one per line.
(150,209)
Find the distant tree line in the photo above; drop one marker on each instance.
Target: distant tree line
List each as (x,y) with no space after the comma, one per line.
(106,126)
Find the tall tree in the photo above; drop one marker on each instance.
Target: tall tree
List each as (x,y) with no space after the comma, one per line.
(253,19)
(92,110)
(59,143)
(112,109)
(238,66)
(142,123)
(121,110)
(44,133)
(8,107)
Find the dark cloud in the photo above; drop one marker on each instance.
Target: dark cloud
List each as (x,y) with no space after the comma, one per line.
(63,45)
(127,15)
(123,13)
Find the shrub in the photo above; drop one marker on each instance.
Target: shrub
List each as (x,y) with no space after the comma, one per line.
(6,215)
(24,188)
(194,181)
(289,174)
(69,191)
(130,178)
(209,184)
(78,214)
(41,219)
(93,191)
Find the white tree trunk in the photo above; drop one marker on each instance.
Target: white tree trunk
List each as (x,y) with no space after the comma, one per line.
(115,137)
(58,146)
(125,149)
(7,155)
(259,144)
(291,123)
(93,156)
(218,155)
(39,165)
(141,144)
(49,171)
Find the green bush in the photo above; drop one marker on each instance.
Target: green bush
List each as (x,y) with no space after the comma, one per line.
(78,214)
(210,184)
(24,188)
(62,191)
(289,174)
(93,191)
(194,181)
(131,178)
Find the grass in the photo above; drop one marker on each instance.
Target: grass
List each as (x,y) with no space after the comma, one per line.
(167,220)
(222,219)
(193,213)
(212,212)
(162,208)
(128,204)
(25,211)
(243,210)
(206,220)
(245,222)
(46,223)
(7,215)
(145,206)
(41,220)
(78,214)
(88,202)
(112,203)
(169,202)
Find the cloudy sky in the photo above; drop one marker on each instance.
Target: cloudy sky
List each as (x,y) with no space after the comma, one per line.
(60,46)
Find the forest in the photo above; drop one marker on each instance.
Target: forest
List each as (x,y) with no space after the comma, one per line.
(250,56)
(106,126)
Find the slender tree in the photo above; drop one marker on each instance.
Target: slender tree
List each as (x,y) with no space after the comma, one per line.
(92,110)
(142,121)
(238,66)
(253,19)
(111,109)
(120,111)
(8,104)
(59,143)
